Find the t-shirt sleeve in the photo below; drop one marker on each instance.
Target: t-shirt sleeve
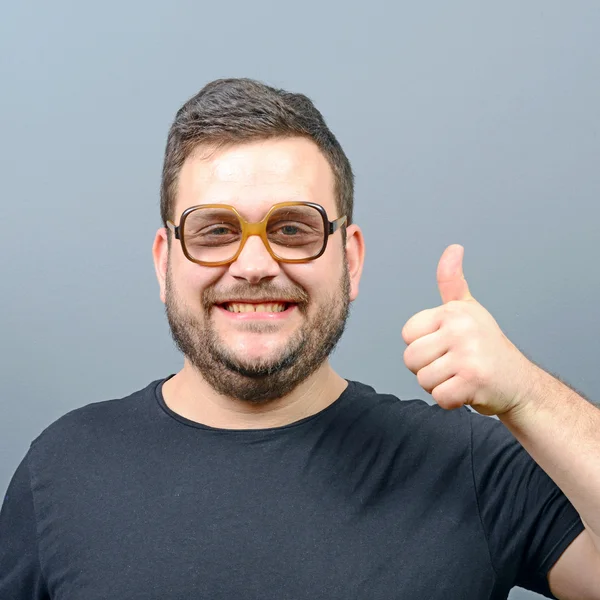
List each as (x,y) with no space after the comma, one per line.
(527,519)
(20,572)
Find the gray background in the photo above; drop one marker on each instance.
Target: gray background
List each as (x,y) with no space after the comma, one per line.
(466,122)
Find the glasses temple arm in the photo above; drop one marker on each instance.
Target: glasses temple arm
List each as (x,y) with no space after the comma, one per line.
(335,225)
(174,229)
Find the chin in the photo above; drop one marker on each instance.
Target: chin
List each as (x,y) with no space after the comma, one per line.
(257,352)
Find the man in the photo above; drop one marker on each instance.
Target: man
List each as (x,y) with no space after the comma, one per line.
(257,471)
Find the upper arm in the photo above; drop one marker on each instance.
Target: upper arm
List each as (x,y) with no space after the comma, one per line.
(20,572)
(576,574)
(527,519)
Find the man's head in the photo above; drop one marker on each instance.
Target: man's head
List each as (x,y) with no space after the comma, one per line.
(250,146)
(229,112)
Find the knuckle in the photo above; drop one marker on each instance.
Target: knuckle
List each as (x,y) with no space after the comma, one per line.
(454,307)
(407,356)
(459,324)
(422,378)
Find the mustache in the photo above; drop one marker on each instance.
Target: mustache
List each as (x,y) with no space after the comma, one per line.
(260,292)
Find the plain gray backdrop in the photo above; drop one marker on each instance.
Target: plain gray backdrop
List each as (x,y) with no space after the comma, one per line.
(467,122)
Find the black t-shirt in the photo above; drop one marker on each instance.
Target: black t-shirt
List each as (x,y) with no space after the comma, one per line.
(371,498)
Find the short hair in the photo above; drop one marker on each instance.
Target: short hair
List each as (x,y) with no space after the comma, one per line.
(226,112)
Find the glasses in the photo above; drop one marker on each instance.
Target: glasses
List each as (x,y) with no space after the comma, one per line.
(292,232)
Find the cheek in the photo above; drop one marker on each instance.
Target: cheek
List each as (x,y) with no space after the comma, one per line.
(189,280)
(318,278)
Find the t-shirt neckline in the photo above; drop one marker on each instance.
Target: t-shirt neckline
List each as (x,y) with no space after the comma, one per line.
(334,406)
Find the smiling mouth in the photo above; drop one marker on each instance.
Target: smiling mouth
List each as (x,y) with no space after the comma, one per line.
(244,307)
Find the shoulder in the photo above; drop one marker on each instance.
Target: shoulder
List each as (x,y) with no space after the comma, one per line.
(83,427)
(414,420)
(415,412)
(427,427)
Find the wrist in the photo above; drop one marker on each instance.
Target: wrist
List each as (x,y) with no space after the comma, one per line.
(528,395)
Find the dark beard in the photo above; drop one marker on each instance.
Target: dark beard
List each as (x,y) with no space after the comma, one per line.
(259,382)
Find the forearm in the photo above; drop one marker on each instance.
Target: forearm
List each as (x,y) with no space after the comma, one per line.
(561,432)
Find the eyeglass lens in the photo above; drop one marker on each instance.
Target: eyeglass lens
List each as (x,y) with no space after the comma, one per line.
(214,234)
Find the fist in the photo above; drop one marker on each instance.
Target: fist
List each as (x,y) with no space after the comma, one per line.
(459,353)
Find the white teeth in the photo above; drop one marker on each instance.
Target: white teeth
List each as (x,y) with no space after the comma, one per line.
(245,307)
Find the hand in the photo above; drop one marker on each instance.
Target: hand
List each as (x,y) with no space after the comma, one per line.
(459,353)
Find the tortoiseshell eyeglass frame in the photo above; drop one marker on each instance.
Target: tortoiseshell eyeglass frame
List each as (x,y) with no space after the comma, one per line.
(259,229)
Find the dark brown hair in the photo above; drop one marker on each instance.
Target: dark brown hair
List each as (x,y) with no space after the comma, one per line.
(230,111)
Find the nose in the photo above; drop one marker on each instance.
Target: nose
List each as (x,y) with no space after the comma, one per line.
(254,262)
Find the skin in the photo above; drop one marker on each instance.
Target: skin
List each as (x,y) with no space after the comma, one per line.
(252,177)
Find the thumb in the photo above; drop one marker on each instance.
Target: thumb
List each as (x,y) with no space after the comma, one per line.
(450,277)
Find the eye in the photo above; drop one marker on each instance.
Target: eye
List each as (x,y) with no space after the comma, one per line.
(289,229)
(221,230)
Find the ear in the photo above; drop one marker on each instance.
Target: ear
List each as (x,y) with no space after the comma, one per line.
(355,255)
(160,253)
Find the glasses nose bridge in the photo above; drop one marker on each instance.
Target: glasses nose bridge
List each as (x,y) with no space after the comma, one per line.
(258,229)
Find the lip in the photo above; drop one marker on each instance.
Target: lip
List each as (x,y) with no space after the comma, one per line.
(253,316)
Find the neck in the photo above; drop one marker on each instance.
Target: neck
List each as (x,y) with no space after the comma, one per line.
(189,395)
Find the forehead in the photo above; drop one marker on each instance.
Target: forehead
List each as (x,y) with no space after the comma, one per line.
(255,175)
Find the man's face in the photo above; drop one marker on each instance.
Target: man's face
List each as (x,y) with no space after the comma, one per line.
(261,355)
